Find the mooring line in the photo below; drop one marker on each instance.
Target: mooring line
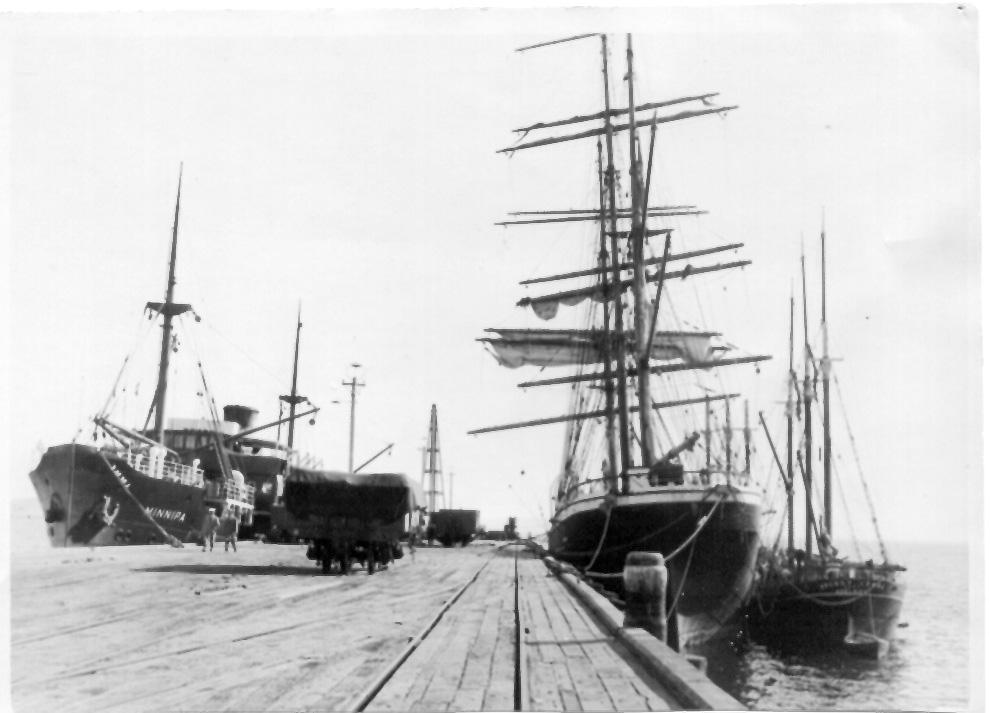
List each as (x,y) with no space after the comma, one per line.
(360,702)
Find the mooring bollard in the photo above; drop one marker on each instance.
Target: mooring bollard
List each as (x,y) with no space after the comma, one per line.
(644,579)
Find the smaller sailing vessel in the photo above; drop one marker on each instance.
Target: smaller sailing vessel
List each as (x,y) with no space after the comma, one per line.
(135,486)
(813,597)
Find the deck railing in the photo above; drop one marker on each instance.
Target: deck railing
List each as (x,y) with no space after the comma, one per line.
(229,490)
(641,484)
(161,469)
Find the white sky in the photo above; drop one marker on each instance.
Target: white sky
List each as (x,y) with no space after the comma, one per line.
(348,160)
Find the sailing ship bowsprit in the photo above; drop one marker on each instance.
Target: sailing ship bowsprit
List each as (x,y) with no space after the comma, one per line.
(634,477)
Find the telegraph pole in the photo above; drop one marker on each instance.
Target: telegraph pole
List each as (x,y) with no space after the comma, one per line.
(354,384)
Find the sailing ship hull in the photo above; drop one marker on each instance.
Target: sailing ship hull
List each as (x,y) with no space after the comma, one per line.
(714,567)
(86,504)
(839,613)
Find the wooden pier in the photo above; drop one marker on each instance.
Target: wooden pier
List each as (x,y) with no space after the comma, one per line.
(477,628)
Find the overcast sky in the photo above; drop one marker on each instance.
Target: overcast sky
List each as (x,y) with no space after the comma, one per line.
(347,162)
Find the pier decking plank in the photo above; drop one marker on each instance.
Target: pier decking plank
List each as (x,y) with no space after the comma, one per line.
(152,628)
(135,629)
(568,650)
(459,666)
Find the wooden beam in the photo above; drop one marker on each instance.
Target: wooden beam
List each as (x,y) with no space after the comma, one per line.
(596,290)
(618,127)
(557,42)
(627,265)
(579,211)
(591,414)
(615,112)
(664,369)
(579,218)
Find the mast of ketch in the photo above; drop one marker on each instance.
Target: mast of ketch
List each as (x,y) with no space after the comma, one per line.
(167,313)
(826,425)
(790,433)
(620,341)
(641,307)
(293,397)
(809,512)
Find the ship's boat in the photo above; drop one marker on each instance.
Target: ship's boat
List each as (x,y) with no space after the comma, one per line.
(815,597)
(644,467)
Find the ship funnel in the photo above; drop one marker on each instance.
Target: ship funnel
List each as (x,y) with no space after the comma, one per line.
(243,416)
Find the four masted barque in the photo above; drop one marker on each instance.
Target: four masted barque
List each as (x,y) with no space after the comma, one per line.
(628,481)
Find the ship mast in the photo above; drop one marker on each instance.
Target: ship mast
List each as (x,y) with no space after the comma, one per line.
(293,397)
(641,306)
(826,424)
(606,347)
(791,379)
(167,313)
(809,512)
(620,342)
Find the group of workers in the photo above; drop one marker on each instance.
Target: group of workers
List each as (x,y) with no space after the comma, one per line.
(223,527)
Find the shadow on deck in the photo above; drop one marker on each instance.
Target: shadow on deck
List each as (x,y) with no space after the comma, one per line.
(268,569)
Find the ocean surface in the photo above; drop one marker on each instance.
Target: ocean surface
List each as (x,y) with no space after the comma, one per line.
(927,669)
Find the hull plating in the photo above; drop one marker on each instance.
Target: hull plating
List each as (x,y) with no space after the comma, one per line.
(825,613)
(710,575)
(86,504)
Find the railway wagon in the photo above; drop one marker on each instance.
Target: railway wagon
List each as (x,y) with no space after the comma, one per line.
(453,526)
(346,516)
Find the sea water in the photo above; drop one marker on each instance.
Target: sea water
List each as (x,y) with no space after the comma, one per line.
(927,669)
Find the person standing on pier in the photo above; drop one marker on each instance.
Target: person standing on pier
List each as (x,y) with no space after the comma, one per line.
(227,530)
(414,535)
(210,524)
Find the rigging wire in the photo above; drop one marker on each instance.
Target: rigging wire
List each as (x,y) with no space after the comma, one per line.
(278,380)
(842,494)
(143,330)
(859,468)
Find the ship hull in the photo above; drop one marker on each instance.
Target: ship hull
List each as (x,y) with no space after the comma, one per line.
(86,504)
(831,614)
(711,569)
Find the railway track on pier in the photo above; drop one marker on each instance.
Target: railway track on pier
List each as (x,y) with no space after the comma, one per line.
(475,628)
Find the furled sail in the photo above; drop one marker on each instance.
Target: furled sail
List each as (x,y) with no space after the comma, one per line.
(514,348)
(546,306)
